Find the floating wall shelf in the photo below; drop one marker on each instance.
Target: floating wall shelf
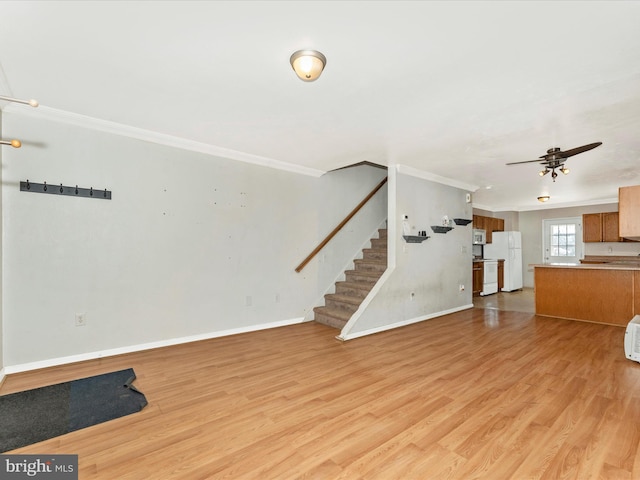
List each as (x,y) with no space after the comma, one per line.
(439,229)
(462,221)
(414,238)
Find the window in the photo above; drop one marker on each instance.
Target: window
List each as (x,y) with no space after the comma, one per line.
(563,240)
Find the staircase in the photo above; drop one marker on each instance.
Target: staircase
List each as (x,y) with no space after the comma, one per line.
(340,306)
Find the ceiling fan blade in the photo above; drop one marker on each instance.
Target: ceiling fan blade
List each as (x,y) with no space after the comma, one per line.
(577,150)
(528,161)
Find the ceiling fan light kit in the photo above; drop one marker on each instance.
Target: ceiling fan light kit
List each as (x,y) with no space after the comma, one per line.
(14,143)
(32,102)
(308,64)
(555,158)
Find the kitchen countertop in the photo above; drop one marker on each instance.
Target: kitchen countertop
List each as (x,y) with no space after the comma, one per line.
(611,258)
(592,266)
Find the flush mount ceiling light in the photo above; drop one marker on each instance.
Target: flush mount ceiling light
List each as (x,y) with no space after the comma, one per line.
(308,64)
(544,198)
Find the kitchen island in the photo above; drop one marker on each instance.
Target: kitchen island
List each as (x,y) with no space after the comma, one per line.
(603,293)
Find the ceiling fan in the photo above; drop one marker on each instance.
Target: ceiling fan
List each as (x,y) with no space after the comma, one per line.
(555,158)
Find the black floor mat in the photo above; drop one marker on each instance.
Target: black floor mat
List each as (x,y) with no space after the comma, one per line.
(35,415)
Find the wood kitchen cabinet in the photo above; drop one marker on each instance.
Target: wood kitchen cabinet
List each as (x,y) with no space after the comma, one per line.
(595,293)
(488,224)
(600,227)
(478,222)
(478,277)
(592,227)
(494,225)
(610,229)
(629,208)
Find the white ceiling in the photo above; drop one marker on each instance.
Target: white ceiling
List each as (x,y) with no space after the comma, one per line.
(455,89)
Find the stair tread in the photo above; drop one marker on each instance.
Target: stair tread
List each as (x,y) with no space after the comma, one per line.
(365,273)
(341,297)
(333,312)
(371,260)
(356,285)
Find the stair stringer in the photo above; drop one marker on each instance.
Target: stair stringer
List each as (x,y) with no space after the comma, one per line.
(343,336)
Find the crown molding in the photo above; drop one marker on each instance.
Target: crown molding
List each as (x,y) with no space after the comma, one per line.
(547,205)
(544,206)
(115,128)
(414,172)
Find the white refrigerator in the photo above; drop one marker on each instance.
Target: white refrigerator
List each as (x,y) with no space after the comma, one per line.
(507,246)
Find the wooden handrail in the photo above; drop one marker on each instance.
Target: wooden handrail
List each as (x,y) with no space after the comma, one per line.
(339,227)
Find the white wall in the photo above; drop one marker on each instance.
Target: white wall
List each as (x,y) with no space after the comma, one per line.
(190,245)
(432,270)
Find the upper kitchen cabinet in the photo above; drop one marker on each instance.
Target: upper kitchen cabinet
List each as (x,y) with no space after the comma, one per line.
(489,224)
(478,222)
(600,227)
(610,228)
(629,208)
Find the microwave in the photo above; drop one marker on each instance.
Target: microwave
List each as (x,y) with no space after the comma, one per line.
(479,236)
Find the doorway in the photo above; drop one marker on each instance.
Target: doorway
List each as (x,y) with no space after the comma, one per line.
(562,240)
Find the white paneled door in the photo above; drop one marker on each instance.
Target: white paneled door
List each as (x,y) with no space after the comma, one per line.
(562,242)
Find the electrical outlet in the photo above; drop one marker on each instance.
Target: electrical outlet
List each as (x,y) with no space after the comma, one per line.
(81,320)
(412,296)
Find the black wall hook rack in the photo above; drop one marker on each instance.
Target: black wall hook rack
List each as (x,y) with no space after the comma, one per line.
(65,190)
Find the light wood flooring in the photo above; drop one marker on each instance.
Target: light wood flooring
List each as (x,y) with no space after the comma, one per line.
(517,301)
(482,393)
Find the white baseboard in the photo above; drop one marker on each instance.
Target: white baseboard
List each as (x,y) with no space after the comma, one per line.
(2,375)
(25,367)
(403,323)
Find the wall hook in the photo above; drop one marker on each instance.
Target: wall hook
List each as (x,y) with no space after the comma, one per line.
(63,190)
